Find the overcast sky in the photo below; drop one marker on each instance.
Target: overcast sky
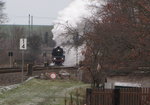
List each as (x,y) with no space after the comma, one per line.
(44,12)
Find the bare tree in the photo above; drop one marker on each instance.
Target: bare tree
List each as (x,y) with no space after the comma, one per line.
(2,15)
(35,42)
(117,37)
(10,43)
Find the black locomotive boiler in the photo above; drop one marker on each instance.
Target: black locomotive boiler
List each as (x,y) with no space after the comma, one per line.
(58,56)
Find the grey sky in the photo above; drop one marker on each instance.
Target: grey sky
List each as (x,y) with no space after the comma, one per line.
(44,12)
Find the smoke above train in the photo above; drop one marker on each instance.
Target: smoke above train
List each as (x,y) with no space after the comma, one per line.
(72,15)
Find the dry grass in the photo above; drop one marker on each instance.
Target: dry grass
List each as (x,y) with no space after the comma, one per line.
(41,92)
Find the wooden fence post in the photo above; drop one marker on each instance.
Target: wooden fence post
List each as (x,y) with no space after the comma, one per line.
(88,96)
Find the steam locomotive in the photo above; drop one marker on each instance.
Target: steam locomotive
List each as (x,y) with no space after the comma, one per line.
(58,56)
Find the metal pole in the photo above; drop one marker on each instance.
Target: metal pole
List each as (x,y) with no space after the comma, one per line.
(77,43)
(10,61)
(29,25)
(44,59)
(22,65)
(77,57)
(77,60)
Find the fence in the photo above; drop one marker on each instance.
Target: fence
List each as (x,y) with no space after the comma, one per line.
(122,96)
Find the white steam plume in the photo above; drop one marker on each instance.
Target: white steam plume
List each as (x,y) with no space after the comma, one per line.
(72,15)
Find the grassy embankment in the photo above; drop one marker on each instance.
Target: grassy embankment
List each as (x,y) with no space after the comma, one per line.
(45,92)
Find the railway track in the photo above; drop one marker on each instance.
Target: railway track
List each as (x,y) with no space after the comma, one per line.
(35,68)
(9,70)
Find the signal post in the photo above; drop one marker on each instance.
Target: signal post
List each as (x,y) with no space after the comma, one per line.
(23,47)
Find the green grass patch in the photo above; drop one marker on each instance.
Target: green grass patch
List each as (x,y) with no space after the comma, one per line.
(43,92)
